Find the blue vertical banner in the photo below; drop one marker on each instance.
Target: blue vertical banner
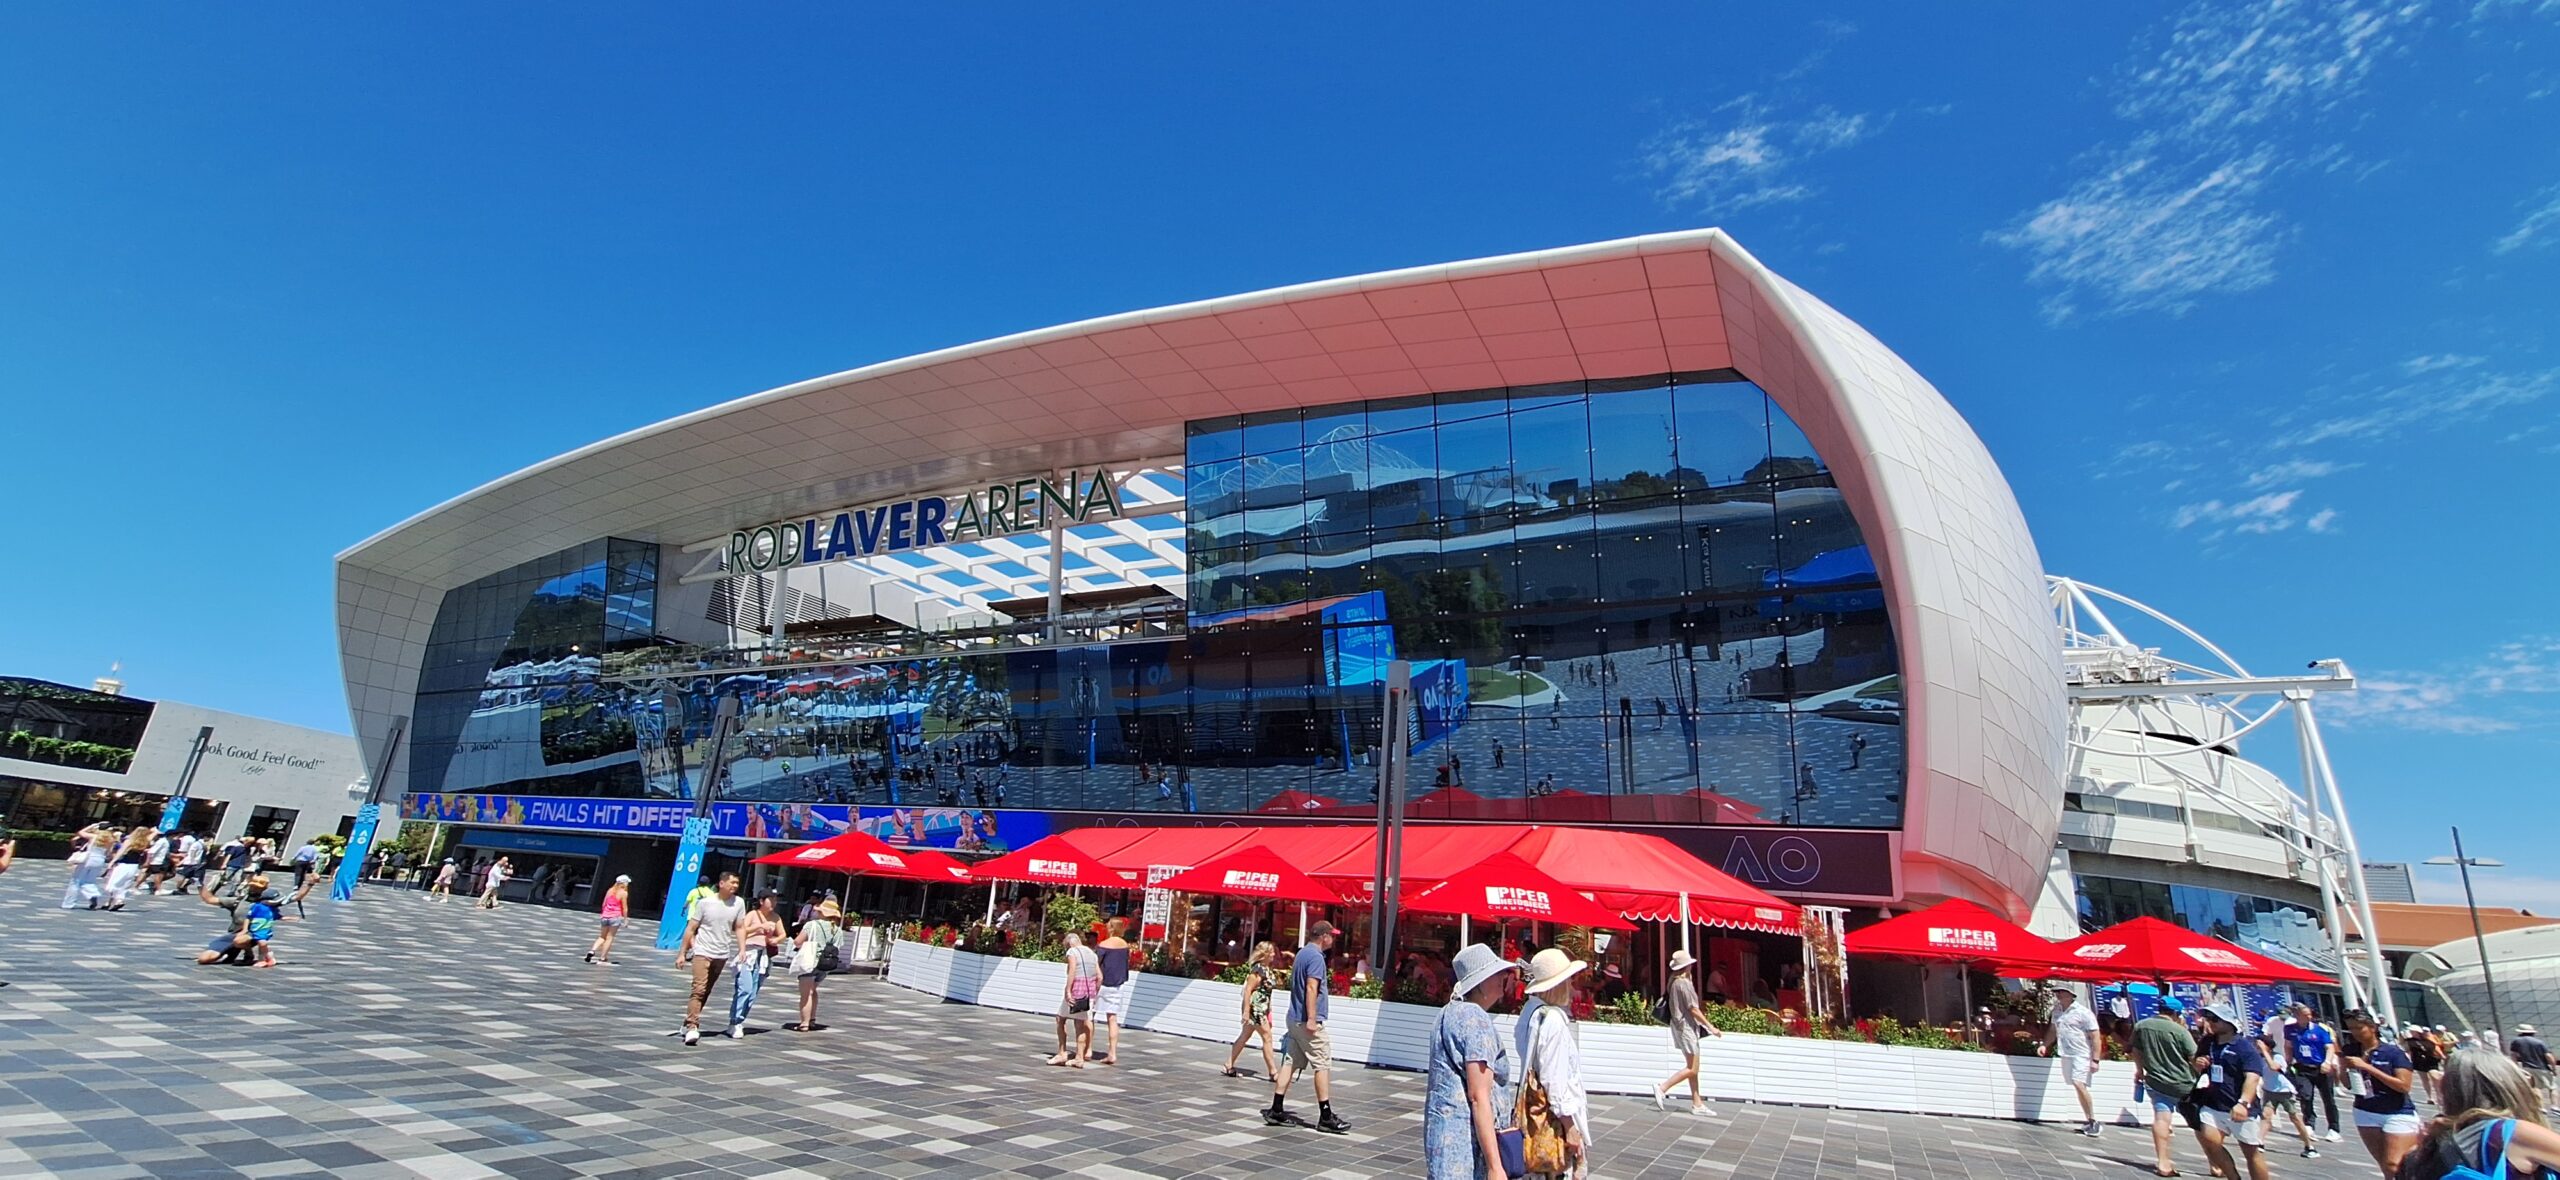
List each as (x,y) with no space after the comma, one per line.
(342,884)
(681,882)
(173,812)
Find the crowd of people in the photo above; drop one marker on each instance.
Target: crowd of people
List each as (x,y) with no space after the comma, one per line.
(2229,1082)
(110,866)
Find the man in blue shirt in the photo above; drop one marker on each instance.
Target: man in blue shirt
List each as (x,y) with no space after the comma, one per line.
(2311,1055)
(2230,1108)
(1309,1048)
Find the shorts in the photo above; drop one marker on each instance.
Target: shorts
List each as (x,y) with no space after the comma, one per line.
(1114,1001)
(614,923)
(2280,1100)
(1309,1048)
(2078,1071)
(706,972)
(1066,1010)
(2245,1132)
(2403,1123)
(2162,1104)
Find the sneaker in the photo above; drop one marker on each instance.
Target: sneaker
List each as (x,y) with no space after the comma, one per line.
(1276,1118)
(1702,1110)
(2090,1128)
(737,1032)
(1657,1101)
(1332,1124)
(591,956)
(2311,1153)
(2332,1136)
(693,1036)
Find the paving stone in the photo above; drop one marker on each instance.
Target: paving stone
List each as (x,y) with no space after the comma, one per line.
(400,1039)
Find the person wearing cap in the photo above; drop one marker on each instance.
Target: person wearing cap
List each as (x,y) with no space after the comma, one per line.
(2073,1040)
(1469,1095)
(2230,1107)
(1544,1043)
(2424,1057)
(617,910)
(811,960)
(2528,1050)
(442,890)
(1688,1020)
(1310,1050)
(2283,1097)
(2165,1055)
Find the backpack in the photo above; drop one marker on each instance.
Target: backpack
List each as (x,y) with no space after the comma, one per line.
(2502,1134)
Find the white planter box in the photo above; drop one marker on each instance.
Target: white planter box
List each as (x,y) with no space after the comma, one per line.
(1616,1058)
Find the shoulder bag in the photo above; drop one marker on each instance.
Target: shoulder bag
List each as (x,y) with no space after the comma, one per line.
(1541,1141)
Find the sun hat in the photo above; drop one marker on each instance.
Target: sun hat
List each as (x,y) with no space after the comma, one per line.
(830,911)
(1549,968)
(1476,964)
(2221,1012)
(1612,972)
(2526,1030)
(624,879)
(1682,960)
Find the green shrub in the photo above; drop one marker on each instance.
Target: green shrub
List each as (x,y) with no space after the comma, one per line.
(1734,1018)
(1371,988)
(18,743)
(1627,1009)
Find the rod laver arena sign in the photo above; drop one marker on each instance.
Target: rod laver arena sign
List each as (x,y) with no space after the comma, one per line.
(1022,506)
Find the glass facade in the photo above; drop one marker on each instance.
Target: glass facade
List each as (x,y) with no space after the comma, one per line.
(2279,928)
(1636,601)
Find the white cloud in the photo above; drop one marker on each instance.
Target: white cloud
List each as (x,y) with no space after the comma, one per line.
(1746,155)
(2179,210)
(2504,887)
(2322,521)
(2417,365)
(2541,225)
(2295,471)
(2432,399)
(2269,513)
(2511,687)
(2152,234)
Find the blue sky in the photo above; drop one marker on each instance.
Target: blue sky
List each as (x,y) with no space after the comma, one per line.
(2254,302)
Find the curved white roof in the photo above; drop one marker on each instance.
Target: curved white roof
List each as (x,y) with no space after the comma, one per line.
(1980,657)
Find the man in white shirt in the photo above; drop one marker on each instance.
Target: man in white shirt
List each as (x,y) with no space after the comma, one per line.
(155,864)
(191,862)
(710,941)
(2075,1044)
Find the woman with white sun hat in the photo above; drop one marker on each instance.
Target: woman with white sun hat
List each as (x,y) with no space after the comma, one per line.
(1545,1042)
(1688,1022)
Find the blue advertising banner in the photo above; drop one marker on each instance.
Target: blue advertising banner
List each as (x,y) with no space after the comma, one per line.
(957,829)
(174,812)
(680,883)
(342,884)
(550,842)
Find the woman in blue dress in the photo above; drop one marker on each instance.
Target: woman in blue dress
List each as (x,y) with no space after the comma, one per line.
(1471,1074)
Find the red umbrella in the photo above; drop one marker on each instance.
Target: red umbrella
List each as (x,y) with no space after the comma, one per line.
(1294,800)
(857,851)
(1503,886)
(2148,948)
(1955,931)
(1054,861)
(1253,871)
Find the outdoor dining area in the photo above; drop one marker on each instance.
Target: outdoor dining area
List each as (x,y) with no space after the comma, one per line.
(1196,900)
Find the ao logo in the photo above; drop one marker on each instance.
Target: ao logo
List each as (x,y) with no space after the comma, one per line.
(1259,882)
(1505,897)
(887,861)
(1443,700)
(1789,860)
(1053,868)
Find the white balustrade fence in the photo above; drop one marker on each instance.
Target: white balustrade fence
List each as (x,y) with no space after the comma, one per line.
(1616,1058)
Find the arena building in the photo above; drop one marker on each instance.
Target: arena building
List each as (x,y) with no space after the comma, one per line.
(1666,542)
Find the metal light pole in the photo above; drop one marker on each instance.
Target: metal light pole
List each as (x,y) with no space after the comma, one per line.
(2479,941)
(1392,754)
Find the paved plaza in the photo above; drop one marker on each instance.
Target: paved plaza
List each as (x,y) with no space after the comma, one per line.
(398,1038)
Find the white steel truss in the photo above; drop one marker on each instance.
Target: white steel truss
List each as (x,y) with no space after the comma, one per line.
(2104,669)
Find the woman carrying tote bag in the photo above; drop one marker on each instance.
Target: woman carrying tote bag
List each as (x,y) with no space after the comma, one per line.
(1554,1111)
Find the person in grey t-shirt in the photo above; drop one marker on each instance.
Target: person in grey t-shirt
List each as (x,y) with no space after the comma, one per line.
(1688,1022)
(710,941)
